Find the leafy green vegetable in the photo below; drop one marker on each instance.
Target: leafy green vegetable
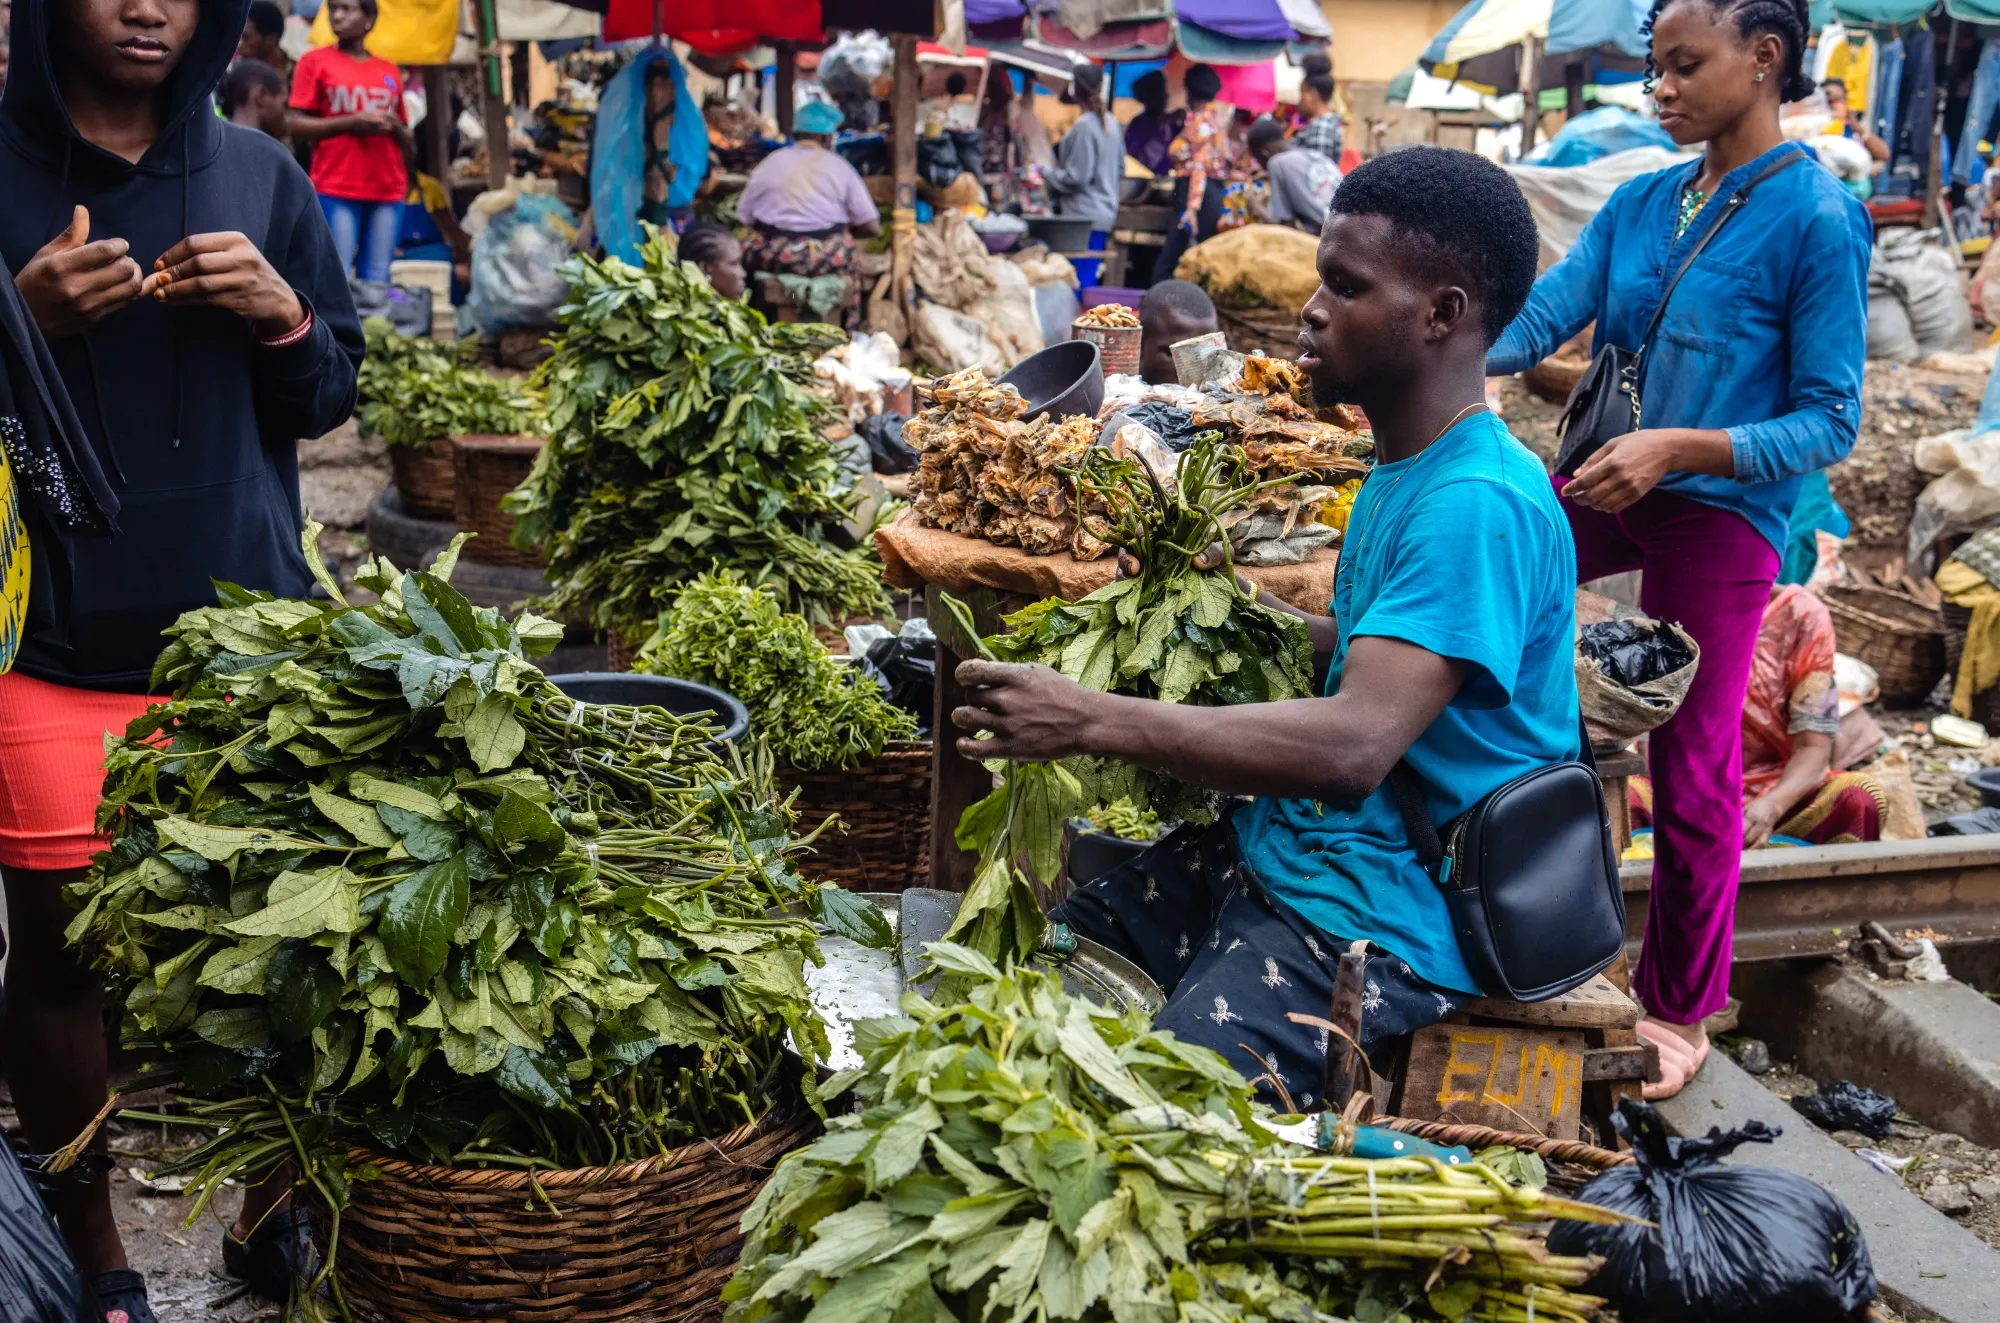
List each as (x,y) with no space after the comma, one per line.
(1124,819)
(413,391)
(684,436)
(1025,1156)
(375,883)
(813,712)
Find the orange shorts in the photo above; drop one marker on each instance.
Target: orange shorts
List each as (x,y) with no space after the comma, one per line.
(52,769)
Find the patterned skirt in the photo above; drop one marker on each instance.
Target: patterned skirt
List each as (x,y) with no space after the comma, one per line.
(1848,807)
(777,253)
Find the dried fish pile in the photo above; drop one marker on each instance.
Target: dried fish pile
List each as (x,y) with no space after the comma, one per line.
(1109,316)
(1272,419)
(983,472)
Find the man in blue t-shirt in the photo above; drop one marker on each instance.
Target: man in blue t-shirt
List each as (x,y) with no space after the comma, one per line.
(1453,650)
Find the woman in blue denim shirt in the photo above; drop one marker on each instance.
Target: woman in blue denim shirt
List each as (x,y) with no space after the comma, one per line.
(1752,382)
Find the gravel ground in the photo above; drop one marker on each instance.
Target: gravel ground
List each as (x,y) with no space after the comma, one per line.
(340,475)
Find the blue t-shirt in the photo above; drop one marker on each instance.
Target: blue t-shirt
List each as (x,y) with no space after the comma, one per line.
(1462,551)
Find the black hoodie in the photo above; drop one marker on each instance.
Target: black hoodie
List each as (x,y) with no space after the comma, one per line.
(195,422)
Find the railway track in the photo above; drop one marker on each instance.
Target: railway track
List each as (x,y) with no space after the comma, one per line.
(1812,901)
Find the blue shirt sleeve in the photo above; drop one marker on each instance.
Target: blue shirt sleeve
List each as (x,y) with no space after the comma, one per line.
(1564,300)
(1828,336)
(1469,559)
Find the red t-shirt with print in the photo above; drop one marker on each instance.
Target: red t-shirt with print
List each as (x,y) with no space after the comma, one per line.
(351,166)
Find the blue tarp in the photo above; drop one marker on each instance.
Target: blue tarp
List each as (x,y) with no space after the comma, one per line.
(618,156)
(1598,133)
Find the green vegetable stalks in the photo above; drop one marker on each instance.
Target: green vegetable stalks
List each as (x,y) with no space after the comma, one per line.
(1174,633)
(376,884)
(812,712)
(1024,1156)
(1124,819)
(684,436)
(413,391)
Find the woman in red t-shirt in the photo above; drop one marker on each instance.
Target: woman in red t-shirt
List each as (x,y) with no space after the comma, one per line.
(349,105)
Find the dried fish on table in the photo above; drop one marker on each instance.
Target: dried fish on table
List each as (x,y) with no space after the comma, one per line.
(1109,316)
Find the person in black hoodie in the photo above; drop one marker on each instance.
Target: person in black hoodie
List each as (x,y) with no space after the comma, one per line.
(182,273)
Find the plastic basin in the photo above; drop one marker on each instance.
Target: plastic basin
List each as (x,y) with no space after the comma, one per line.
(1987,782)
(683,698)
(1065,380)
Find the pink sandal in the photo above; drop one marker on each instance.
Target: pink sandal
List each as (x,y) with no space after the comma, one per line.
(1680,1060)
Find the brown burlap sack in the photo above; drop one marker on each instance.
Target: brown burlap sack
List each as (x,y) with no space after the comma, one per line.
(1617,715)
(1272,263)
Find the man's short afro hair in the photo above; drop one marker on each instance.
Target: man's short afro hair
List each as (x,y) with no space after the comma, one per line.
(1464,217)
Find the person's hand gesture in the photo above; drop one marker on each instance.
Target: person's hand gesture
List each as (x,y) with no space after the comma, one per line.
(72,283)
(226,271)
(1760,819)
(1626,468)
(1033,714)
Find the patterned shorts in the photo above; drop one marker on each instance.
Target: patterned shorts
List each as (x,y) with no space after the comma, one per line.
(1232,959)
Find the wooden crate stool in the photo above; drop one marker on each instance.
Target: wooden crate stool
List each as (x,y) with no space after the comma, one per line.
(1536,1067)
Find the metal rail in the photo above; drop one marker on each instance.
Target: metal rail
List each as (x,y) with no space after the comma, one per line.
(1812,901)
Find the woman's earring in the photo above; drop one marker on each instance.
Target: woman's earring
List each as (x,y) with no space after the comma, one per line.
(1760,75)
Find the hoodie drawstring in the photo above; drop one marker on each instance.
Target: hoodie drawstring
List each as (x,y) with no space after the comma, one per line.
(58,222)
(174,315)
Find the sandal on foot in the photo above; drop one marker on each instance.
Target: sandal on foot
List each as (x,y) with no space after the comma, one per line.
(121,1297)
(1680,1061)
(278,1254)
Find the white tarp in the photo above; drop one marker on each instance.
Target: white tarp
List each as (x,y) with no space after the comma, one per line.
(1564,198)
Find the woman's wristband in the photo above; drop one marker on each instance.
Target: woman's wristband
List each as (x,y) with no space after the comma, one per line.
(291,337)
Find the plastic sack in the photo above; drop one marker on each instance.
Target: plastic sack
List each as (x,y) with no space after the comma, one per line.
(1598,133)
(1845,1105)
(618,153)
(1173,425)
(1732,1244)
(407,308)
(1661,658)
(514,258)
(904,668)
(886,447)
(38,1282)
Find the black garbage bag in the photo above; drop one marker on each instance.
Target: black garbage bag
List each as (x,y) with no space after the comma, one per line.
(1979,822)
(1732,1244)
(904,667)
(886,448)
(38,1282)
(1845,1105)
(937,161)
(1171,423)
(1633,653)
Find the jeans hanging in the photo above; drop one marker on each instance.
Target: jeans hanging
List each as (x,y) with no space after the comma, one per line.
(1979,110)
(1920,94)
(1887,100)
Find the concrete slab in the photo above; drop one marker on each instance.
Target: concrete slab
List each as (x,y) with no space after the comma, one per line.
(1929,1267)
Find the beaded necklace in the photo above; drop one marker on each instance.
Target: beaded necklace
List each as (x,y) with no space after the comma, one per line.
(1692,202)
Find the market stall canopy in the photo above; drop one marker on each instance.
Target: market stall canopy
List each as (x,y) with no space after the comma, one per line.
(1895,13)
(1481,45)
(717,25)
(1215,31)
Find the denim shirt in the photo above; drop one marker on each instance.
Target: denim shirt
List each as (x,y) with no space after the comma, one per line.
(1765,337)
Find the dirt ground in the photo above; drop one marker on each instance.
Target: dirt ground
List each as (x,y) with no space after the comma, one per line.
(340,475)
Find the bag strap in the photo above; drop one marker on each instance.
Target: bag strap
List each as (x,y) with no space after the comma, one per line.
(1734,205)
(1407,789)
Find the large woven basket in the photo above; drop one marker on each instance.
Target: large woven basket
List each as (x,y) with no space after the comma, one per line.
(647,1242)
(424,478)
(885,807)
(1902,639)
(486,468)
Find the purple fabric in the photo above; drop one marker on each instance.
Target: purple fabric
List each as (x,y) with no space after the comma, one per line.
(993,11)
(1710,571)
(1246,20)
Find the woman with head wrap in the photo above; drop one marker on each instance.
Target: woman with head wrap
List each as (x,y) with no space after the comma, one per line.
(804,207)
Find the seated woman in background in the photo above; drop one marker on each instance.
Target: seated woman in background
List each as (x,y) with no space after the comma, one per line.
(1790,717)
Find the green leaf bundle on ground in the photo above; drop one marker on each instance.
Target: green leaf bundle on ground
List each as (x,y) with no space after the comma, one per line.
(683,436)
(1025,1156)
(413,391)
(811,711)
(375,883)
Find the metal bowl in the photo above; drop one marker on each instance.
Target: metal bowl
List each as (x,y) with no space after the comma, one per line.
(683,698)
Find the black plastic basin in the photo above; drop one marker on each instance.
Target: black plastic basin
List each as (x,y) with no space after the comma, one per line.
(1987,782)
(683,698)
(1065,380)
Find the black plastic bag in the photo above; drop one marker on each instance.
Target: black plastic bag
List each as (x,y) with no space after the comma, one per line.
(886,448)
(1633,653)
(904,667)
(937,161)
(38,1282)
(1979,822)
(1733,1245)
(1845,1105)
(1171,423)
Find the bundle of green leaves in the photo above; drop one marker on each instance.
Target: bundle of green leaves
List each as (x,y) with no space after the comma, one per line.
(683,436)
(811,711)
(413,391)
(1174,632)
(375,883)
(1025,1156)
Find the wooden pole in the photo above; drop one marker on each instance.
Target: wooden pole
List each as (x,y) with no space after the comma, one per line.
(903,126)
(1531,91)
(787,93)
(1573,88)
(437,121)
(493,97)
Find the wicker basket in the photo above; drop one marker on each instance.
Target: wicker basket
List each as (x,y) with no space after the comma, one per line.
(1117,346)
(486,468)
(1273,330)
(424,478)
(1902,639)
(647,1242)
(1985,703)
(619,655)
(1571,1162)
(885,806)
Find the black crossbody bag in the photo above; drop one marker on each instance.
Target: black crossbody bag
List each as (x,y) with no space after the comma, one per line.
(1605,401)
(1530,875)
